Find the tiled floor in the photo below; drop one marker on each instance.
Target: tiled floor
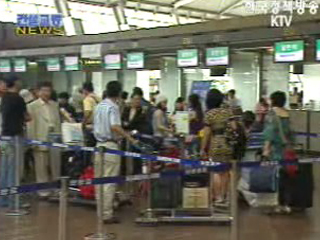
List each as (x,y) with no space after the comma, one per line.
(42,224)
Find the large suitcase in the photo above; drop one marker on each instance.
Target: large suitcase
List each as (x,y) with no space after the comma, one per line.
(166,193)
(297,192)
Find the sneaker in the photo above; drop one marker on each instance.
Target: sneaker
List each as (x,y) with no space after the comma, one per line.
(112,220)
(25,205)
(219,202)
(280,210)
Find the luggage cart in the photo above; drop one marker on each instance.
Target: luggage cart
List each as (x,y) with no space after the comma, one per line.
(152,216)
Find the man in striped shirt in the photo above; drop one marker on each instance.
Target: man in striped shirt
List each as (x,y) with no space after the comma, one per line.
(107,130)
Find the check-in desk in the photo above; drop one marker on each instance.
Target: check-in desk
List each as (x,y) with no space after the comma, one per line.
(299,124)
(314,131)
(306,124)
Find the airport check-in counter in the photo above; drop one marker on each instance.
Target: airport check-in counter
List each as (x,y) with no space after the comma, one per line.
(314,129)
(299,121)
(306,123)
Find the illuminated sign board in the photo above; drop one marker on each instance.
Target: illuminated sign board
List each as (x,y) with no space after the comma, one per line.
(218,56)
(318,50)
(135,60)
(20,65)
(5,65)
(71,63)
(40,24)
(53,64)
(90,64)
(289,51)
(188,58)
(112,61)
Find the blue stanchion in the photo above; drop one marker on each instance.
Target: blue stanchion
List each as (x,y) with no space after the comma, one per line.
(198,166)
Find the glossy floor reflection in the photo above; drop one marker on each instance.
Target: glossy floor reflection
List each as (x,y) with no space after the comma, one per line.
(42,224)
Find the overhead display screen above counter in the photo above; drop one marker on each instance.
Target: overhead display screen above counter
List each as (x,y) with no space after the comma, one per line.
(135,60)
(217,56)
(112,62)
(289,51)
(188,58)
(318,50)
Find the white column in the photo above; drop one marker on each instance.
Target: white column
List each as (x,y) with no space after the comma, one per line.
(170,81)
(245,76)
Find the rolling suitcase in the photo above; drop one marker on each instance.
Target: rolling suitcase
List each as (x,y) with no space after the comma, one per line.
(166,193)
(297,191)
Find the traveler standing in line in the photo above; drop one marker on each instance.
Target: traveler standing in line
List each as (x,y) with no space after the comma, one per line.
(77,102)
(90,101)
(67,111)
(145,104)
(196,114)
(45,122)
(179,106)
(139,91)
(196,117)
(274,146)
(218,122)
(262,109)
(123,101)
(160,120)
(28,172)
(3,90)
(107,130)
(14,116)
(277,136)
(134,117)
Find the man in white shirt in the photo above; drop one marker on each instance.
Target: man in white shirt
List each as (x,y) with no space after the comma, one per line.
(45,121)
(107,130)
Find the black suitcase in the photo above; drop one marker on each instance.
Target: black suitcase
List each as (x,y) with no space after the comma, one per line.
(166,193)
(297,192)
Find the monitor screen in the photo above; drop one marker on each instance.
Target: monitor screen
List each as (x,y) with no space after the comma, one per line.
(289,51)
(217,56)
(112,61)
(318,50)
(188,58)
(135,60)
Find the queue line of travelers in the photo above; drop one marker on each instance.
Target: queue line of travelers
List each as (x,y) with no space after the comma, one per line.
(106,120)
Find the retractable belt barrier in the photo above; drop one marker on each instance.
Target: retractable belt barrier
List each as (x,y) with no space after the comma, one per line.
(198,166)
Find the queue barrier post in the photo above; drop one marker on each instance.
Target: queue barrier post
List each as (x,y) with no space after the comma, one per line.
(63,206)
(234,202)
(100,234)
(18,160)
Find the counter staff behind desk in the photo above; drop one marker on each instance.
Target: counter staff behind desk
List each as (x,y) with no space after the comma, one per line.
(107,130)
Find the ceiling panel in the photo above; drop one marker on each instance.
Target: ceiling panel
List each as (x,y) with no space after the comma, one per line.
(211,5)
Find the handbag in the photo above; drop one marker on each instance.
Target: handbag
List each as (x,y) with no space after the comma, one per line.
(289,154)
(264,179)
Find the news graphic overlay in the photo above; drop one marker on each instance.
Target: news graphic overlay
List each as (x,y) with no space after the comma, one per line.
(40,24)
(282,11)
